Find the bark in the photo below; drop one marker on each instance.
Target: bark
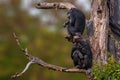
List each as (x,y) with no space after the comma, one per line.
(99,15)
(55,5)
(115,13)
(111,47)
(35,60)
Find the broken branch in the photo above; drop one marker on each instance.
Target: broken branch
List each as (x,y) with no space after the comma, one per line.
(54,5)
(40,62)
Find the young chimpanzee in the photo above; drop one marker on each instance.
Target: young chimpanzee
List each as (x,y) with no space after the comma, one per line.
(82,55)
(76,23)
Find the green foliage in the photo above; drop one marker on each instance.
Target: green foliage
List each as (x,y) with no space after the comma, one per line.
(109,71)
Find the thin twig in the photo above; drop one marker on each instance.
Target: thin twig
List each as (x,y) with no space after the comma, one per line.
(18,42)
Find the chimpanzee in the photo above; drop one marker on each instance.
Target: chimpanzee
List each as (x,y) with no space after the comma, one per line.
(82,55)
(76,23)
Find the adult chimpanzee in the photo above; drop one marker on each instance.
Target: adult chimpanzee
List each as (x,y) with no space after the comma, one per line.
(82,55)
(76,23)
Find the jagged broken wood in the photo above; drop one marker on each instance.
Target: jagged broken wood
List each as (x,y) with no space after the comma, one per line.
(54,5)
(35,60)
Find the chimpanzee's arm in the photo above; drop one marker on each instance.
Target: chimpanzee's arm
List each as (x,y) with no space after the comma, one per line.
(71,17)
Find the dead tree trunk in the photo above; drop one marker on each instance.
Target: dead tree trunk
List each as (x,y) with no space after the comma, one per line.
(114,13)
(99,38)
(105,35)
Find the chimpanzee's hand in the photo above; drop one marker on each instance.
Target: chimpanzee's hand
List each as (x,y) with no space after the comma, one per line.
(65,24)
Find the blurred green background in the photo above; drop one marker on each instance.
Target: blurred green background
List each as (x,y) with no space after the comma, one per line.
(42,33)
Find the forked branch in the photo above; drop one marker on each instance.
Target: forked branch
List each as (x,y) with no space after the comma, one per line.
(40,62)
(35,60)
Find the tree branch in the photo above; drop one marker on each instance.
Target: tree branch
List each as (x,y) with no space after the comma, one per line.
(54,5)
(35,60)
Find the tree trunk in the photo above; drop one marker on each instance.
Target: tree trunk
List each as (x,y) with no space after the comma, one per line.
(99,39)
(101,35)
(114,12)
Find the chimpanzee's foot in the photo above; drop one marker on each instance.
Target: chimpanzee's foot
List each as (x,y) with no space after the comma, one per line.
(77,66)
(88,72)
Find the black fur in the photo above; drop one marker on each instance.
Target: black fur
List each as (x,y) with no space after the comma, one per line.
(82,55)
(76,23)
